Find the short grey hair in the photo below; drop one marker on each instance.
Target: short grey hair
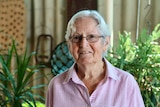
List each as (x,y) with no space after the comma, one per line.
(103,27)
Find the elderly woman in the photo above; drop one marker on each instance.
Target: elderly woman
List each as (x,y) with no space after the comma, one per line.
(92,81)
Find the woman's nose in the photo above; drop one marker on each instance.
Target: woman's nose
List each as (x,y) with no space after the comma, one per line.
(84,42)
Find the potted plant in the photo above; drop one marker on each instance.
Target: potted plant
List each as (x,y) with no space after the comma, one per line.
(15,83)
(142,59)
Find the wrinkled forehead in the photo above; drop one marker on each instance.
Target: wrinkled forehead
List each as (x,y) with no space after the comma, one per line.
(88,18)
(84,20)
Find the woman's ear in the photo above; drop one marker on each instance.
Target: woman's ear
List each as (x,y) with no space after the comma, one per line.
(107,42)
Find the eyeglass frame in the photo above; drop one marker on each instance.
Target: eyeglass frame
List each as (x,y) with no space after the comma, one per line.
(80,37)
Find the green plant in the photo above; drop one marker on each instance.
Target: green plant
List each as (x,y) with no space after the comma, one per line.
(15,81)
(142,59)
(38,104)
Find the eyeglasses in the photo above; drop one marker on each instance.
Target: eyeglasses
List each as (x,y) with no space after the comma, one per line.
(89,38)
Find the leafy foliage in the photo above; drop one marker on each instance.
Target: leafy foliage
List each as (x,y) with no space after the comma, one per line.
(142,59)
(15,83)
(38,104)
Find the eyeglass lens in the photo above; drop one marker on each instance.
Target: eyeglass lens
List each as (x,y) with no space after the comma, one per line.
(89,38)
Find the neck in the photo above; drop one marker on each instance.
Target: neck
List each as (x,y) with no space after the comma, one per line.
(91,71)
(91,75)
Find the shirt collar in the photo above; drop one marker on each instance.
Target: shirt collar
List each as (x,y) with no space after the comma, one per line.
(111,70)
(71,73)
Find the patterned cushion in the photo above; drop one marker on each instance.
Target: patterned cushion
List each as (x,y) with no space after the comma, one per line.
(61,58)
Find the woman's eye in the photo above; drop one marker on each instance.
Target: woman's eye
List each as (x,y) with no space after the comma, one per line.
(91,36)
(77,37)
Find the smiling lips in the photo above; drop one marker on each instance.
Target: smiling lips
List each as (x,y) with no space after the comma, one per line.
(84,52)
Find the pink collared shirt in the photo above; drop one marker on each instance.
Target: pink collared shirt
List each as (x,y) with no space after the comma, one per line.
(117,89)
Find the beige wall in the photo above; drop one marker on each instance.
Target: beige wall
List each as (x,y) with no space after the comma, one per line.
(51,15)
(130,15)
(49,18)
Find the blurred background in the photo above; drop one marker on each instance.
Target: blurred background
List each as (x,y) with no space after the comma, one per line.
(51,16)
(40,25)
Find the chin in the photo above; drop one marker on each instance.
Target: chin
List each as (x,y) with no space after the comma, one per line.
(85,61)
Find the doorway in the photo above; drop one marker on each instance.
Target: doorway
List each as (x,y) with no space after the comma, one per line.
(74,6)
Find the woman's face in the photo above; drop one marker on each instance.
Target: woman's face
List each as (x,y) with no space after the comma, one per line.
(85,52)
